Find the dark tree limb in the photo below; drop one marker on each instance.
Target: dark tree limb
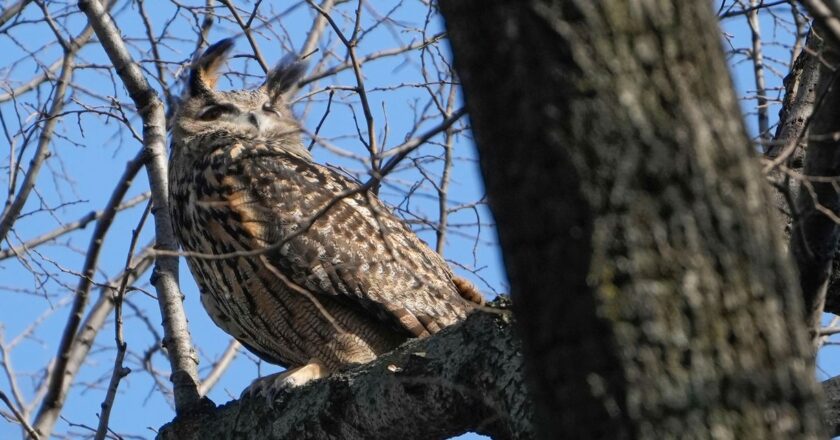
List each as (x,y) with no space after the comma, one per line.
(815,242)
(469,379)
(654,294)
(786,156)
(465,378)
(815,230)
(831,406)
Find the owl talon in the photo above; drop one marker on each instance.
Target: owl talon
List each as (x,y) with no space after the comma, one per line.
(272,386)
(468,291)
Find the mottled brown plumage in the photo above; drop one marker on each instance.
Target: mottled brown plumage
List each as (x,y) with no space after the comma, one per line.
(326,292)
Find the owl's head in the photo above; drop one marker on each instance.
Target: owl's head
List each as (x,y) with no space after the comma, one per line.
(262,114)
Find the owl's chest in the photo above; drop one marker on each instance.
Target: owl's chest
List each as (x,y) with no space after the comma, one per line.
(208,229)
(199,204)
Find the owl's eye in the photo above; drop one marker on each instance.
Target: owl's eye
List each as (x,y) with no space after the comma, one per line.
(214,112)
(268,108)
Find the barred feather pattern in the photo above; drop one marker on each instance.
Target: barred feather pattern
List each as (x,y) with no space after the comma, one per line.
(342,289)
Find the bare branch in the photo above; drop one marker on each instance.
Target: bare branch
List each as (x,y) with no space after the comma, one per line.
(370,57)
(444,367)
(443,187)
(350,44)
(119,370)
(177,340)
(98,314)
(22,420)
(219,367)
(317,29)
(15,205)
(56,392)
(753,8)
(12,11)
(758,71)
(246,29)
(36,81)
(81,223)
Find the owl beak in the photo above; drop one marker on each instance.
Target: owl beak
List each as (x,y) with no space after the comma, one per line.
(259,121)
(254,119)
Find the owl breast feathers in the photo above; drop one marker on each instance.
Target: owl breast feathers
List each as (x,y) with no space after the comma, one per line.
(310,269)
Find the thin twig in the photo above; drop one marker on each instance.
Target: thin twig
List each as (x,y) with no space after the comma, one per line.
(315,76)
(351,44)
(12,11)
(56,393)
(758,72)
(81,223)
(219,367)
(443,187)
(15,204)
(753,8)
(321,122)
(29,430)
(119,371)
(246,29)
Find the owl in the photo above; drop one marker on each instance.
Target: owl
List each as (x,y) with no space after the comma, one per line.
(303,266)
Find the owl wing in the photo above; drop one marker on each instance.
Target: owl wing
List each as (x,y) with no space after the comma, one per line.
(356,250)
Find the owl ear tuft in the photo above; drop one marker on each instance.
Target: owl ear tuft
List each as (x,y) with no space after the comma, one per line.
(284,76)
(204,73)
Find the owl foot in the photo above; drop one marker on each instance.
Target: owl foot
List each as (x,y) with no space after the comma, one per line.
(271,386)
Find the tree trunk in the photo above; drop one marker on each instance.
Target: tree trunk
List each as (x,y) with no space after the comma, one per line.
(646,265)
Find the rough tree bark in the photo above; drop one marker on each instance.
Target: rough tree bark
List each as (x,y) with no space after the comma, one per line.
(815,231)
(786,155)
(814,238)
(465,378)
(633,222)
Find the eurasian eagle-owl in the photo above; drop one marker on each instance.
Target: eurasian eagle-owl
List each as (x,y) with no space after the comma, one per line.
(310,272)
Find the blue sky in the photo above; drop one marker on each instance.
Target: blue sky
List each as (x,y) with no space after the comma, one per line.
(87,161)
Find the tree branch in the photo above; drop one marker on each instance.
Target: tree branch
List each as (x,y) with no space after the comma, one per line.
(165,277)
(246,29)
(57,391)
(757,56)
(97,316)
(219,367)
(815,234)
(20,418)
(468,377)
(119,371)
(15,205)
(81,223)
(12,11)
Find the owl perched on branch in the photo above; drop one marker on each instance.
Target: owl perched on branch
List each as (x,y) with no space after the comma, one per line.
(304,267)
